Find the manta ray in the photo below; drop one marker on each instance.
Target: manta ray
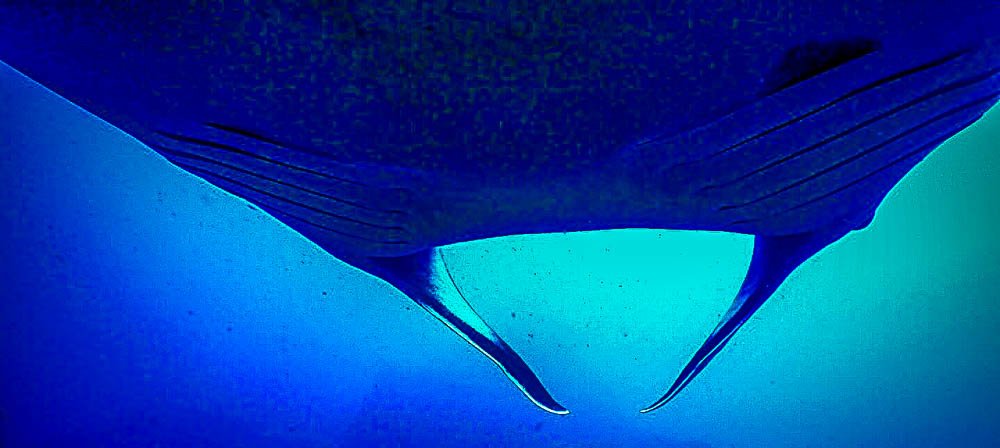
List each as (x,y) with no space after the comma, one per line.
(382,131)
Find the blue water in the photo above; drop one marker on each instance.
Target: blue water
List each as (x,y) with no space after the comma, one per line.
(144,307)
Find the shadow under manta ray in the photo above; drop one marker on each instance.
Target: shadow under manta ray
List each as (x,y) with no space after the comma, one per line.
(382,131)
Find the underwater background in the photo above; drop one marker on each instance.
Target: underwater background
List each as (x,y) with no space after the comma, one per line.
(144,307)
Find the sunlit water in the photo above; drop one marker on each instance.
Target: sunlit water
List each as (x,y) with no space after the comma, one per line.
(144,307)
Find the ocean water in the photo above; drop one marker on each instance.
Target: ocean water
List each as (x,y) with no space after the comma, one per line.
(144,307)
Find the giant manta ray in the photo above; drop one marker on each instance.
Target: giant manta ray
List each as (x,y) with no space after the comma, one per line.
(382,131)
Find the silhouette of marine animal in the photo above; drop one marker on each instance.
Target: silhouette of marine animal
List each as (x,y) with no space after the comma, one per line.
(382,131)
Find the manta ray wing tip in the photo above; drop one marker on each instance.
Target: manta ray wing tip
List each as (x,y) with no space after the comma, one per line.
(425,279)
(774,258)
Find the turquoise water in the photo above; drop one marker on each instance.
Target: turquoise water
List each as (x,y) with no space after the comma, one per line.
(147,308)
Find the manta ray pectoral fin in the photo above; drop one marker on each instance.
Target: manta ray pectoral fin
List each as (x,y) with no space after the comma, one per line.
(774,258)
(425,279)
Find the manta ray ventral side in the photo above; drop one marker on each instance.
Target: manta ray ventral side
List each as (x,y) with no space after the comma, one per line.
(382,131)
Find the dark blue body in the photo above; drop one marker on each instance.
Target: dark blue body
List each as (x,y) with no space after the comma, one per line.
(382,131)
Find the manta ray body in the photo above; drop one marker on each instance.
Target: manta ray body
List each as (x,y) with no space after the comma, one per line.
(382,131)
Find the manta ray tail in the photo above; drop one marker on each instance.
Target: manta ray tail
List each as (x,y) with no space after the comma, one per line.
(425,279)
(774,258)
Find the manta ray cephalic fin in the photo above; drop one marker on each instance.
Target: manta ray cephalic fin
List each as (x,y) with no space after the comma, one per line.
(424,278)
(774,258)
